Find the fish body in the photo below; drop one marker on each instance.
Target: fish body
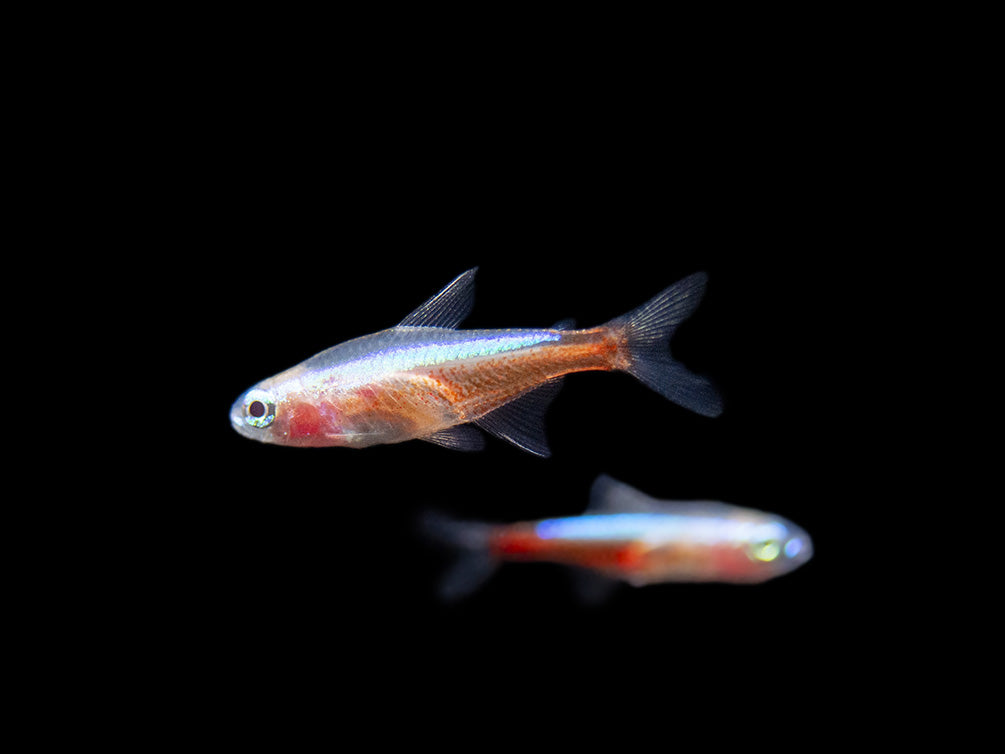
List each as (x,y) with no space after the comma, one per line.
(628,536)
(425,379)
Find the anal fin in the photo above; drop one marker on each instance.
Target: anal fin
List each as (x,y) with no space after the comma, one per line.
(521,421)
(592,588)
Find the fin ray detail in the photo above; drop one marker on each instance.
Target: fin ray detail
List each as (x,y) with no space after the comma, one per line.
(521,421)
(462,437)
(449,307)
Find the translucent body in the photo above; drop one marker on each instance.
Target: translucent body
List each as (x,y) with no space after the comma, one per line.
(412,382)
(424,379)
(628,536)
(684,542)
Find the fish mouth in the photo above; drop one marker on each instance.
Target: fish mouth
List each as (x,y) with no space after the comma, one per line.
(237,414)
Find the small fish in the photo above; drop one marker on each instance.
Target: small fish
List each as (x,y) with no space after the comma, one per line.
(424,379)
(628,536)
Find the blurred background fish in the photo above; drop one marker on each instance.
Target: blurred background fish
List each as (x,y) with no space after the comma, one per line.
(628,536)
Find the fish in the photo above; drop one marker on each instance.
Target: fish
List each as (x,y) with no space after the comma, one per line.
(626,536)
(427,379)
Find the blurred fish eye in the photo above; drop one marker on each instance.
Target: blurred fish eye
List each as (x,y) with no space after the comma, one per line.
(259,408)
(765,550)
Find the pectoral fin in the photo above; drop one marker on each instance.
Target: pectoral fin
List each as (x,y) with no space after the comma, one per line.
(462,437)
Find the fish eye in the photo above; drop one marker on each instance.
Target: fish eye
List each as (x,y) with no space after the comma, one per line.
(259,408)
(766,550)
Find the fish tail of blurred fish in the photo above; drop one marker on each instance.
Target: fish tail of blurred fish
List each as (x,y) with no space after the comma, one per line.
(644,349)
(470,543)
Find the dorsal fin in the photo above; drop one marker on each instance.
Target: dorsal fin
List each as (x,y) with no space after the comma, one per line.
(449,307)
(521,421)
(608,495)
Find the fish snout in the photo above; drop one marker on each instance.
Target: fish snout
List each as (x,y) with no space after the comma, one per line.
(237,415)
(778,547)
(797,548)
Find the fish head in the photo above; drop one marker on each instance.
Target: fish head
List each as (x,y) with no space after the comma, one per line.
(254,413)
(741,547)
(281,411)
(713,542)
(771,546)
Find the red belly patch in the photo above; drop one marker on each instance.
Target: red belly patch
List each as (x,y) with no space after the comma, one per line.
(305,421)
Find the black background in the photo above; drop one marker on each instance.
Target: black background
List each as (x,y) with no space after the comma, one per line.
(305,196)
(304,555)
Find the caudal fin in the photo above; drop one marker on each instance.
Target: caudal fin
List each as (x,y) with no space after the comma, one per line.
(474,564)
(646,333)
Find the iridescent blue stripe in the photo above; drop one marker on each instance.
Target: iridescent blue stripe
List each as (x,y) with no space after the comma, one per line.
(605,526)
(659,527)
(402,348)
(485,346)
(456,346)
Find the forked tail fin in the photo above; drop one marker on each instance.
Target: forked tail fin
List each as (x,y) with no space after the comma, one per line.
(474,563)
(646,333)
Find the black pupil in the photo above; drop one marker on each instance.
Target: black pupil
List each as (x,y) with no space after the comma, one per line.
(256,409)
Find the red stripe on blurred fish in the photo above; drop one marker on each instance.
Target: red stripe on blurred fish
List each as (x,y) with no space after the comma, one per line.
(628,536)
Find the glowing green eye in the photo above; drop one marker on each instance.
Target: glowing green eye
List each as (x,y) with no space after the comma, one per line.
(765,551)
(259,408)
